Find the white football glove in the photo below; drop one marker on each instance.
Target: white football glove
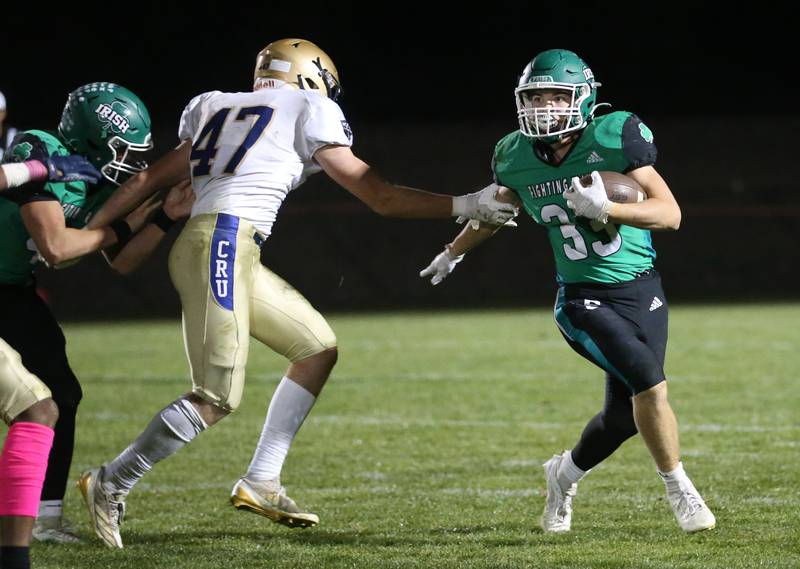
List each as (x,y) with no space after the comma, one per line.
(441,266)
(483,206)
(589,201)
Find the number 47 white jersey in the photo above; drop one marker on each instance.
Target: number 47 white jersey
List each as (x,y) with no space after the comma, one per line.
(249,150)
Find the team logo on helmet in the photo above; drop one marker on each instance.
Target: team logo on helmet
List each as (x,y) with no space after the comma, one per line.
(113,117)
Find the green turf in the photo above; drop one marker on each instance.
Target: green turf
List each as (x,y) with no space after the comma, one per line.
(424,450)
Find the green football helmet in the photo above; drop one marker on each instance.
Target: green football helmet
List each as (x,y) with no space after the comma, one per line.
(561,70)
(107,124)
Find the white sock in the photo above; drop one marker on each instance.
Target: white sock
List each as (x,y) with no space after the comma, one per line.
(168,432)
(50,508)
(289,407)
(568,473)
(675,480)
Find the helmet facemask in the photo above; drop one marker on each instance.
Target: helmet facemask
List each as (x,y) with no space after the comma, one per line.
(126,159)
(562,71)
(552,120)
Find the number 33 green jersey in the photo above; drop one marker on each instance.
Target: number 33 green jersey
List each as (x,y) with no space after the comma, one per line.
(585,251)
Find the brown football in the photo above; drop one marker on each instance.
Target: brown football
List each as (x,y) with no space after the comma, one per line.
(619,187)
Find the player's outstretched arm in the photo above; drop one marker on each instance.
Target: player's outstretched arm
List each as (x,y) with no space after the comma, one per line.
(392,200)
(167,171)
(72,168)
(177,205)
(470,237)
(56,242)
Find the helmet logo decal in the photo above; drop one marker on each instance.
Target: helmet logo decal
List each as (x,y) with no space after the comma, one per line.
(587,73)
(279,65)
(541,79)
(113,118)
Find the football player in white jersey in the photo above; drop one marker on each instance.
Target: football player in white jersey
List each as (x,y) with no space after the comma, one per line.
(245,152)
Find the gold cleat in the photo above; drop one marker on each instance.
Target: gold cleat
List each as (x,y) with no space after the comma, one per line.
(269,499)
(105,509)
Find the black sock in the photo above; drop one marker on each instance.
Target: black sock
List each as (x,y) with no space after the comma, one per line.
(14,557)
(55,481)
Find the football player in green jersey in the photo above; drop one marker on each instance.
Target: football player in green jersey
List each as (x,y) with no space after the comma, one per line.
(610,306)
(26,405)
(52,192)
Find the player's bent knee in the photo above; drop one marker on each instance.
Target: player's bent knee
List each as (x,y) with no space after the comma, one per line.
(220,385)
(319,363)
(67,392)
(184,419)
(44,412)
(210,410)
(620,422)
(218,401)
(312,347)
(652,393)
(328,357)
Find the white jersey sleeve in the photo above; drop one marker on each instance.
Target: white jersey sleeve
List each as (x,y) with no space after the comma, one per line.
(324,125)
(190,119)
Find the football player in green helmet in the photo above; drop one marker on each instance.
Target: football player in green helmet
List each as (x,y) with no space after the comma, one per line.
(573,94)
(55,182)
(610,306)
(107,124)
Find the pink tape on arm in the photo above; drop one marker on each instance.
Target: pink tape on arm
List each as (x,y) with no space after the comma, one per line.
(22,468)
(37,169)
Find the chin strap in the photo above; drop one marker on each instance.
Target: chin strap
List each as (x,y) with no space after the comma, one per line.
(594,108)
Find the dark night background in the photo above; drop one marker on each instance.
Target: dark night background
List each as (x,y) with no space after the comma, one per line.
(428,91)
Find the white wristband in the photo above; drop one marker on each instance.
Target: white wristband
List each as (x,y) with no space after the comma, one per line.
(16,174)
(459,206)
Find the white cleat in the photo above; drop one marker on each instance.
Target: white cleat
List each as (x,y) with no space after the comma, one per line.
(269,499)
(105,509)
(690,510)
(557,514)
(54,529)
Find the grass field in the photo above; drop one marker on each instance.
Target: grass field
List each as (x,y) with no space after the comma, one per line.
(425,448)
